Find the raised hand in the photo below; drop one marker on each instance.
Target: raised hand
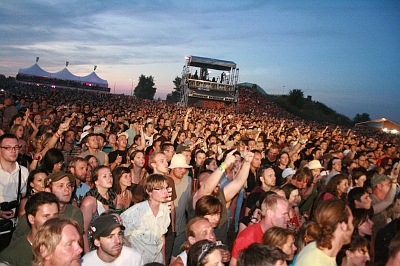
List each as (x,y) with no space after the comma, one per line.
(230,158)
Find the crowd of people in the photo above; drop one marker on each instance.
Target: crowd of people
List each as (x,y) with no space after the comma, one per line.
(88,178)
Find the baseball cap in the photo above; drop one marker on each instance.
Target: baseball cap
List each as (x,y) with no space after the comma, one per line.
(287,172)
(86,128)
(379,178)
(54,177)
(104,225)
(182,147)
(83,135)
(123,134)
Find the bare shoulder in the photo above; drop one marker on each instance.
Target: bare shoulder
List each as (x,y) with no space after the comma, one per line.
(88,202)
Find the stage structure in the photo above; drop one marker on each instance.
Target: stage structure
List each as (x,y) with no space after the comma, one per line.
(209,83)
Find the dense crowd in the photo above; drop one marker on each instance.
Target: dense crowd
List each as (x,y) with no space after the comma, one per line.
(104,179)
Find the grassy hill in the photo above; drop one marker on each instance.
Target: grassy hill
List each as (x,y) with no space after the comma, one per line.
(312,110)
(304,108)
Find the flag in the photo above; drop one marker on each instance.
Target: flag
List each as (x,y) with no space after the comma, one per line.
(66,64)
(94,68)
(37,59)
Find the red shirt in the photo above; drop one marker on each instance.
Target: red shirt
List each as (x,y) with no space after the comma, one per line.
(252,234)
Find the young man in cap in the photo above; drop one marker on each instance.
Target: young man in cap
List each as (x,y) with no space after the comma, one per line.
(60,184)
(382,185)
(107,236)
(39,208)
(182,182)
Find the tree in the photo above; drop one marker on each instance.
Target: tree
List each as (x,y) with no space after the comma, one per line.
(145,88)
(361,118)
(175,95)
(296,97)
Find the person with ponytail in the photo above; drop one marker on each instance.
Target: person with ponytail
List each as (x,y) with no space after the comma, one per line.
(335,225)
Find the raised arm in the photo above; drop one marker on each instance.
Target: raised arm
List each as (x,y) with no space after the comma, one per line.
(35,130)
(208,186)
(142,140)
(234,187)
(280,129)
(53,140)
(186,121)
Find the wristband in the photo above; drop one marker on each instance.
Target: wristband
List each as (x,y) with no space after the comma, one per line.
(221,168)
(56,135)
(223,165)
(35,159)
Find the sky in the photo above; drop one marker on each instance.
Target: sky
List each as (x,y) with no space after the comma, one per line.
(345,54)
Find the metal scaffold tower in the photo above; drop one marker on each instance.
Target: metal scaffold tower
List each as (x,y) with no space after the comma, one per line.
(209,79)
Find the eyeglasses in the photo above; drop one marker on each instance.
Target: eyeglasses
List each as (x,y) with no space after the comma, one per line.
(8,148)
(161,188)
(205,249)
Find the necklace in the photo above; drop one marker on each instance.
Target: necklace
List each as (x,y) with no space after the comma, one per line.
(124,198)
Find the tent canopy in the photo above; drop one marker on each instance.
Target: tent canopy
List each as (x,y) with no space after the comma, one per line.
(34,70)
(93,78)
(64,74)
(382,123)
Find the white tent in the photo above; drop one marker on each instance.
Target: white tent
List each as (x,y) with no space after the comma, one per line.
(93,78)
(64,74)
(382,124)
(34,70)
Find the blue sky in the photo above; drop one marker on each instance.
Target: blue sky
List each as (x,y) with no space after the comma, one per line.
(345,54)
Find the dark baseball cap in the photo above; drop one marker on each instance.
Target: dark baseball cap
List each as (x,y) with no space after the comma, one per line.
(104,225)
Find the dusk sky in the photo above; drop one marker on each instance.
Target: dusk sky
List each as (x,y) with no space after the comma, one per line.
(345,54)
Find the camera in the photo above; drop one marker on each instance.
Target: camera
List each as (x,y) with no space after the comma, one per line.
(8,206)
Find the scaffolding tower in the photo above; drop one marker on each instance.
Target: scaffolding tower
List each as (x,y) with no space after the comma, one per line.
(209,79)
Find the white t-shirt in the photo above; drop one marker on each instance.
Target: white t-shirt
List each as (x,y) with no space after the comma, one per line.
(9,183)
(128,257)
